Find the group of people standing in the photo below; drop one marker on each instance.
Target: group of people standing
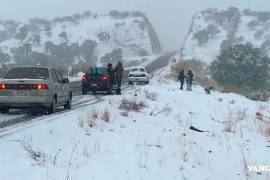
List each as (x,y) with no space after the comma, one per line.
(115,74)
(189,77)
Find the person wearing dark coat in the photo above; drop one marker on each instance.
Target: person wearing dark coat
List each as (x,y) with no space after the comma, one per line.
(189,79)
(111,80)
(181,78)
(119,75)
(208,90)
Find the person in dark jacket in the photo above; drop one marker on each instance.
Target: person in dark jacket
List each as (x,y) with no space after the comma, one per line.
(119,75)
(181,78)
(189,79)
(111,80)
(208,89)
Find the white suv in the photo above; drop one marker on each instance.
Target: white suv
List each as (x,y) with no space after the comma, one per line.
(138,74)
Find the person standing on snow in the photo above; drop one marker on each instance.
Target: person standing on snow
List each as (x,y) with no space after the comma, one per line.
(189,79)
(181,78)
(111,74)
(119,75)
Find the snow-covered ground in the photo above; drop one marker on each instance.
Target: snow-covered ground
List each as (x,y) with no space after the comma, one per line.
(155,143)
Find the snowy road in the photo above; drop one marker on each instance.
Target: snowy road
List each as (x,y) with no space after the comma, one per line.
(20,117)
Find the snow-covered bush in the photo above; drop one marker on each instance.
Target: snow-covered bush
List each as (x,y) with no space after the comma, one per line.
(105,116)
(267,131)
(124,113)
(36,155)
(92,118)
(132,105)
(150,95)
(241,65)
(204,35)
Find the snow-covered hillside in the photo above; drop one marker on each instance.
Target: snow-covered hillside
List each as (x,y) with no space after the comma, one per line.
(83,37)
(212,30)
(154,143)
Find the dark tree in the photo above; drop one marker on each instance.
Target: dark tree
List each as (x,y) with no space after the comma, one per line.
(37,39)
(87,50)
(64,36)
(202,36)
(112,57)
(212,30)
(4,57)
(241,65)
(22,34)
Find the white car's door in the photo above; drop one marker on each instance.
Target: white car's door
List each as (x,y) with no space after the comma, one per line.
(60,88)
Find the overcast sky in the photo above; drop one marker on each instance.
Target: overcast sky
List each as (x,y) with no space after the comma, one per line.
(171,18)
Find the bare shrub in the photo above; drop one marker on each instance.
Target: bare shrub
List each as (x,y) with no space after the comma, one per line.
(70,159)
(124,113)
(81,122)
(132,105)
(106,116)
(36,155)
(263,107)
(267,131)
(259,116)
(228,126)
(86,151)
(227,88)
(92,118)
(143,159)
(241,114)
(150,95)
(234,118)
(166,109)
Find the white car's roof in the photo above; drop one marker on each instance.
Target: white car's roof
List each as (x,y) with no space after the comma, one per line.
(31,67)
(138,67)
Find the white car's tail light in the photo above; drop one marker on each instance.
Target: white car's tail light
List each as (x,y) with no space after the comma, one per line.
(42,87)
(2,86)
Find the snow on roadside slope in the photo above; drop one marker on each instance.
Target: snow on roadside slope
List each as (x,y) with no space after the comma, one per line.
(144,146)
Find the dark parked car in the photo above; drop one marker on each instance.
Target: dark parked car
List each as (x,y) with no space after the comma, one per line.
(95,80)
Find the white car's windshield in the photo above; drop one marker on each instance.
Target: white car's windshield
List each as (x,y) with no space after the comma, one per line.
(28,73)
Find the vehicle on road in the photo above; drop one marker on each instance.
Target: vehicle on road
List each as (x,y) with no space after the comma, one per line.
(95,80)
(139,75)
(34,87)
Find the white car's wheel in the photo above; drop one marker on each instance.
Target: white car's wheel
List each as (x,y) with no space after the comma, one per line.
(52,109)
(4,110)
(68,104)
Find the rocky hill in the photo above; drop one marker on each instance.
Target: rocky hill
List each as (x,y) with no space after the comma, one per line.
(81,38)
(212,30)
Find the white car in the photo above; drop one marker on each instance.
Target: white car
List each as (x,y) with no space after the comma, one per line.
(34,87)
(138,74)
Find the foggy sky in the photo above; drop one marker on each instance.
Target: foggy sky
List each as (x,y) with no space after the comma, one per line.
(171,18)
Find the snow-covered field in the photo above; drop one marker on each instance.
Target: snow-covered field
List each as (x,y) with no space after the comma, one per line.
(155,143)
